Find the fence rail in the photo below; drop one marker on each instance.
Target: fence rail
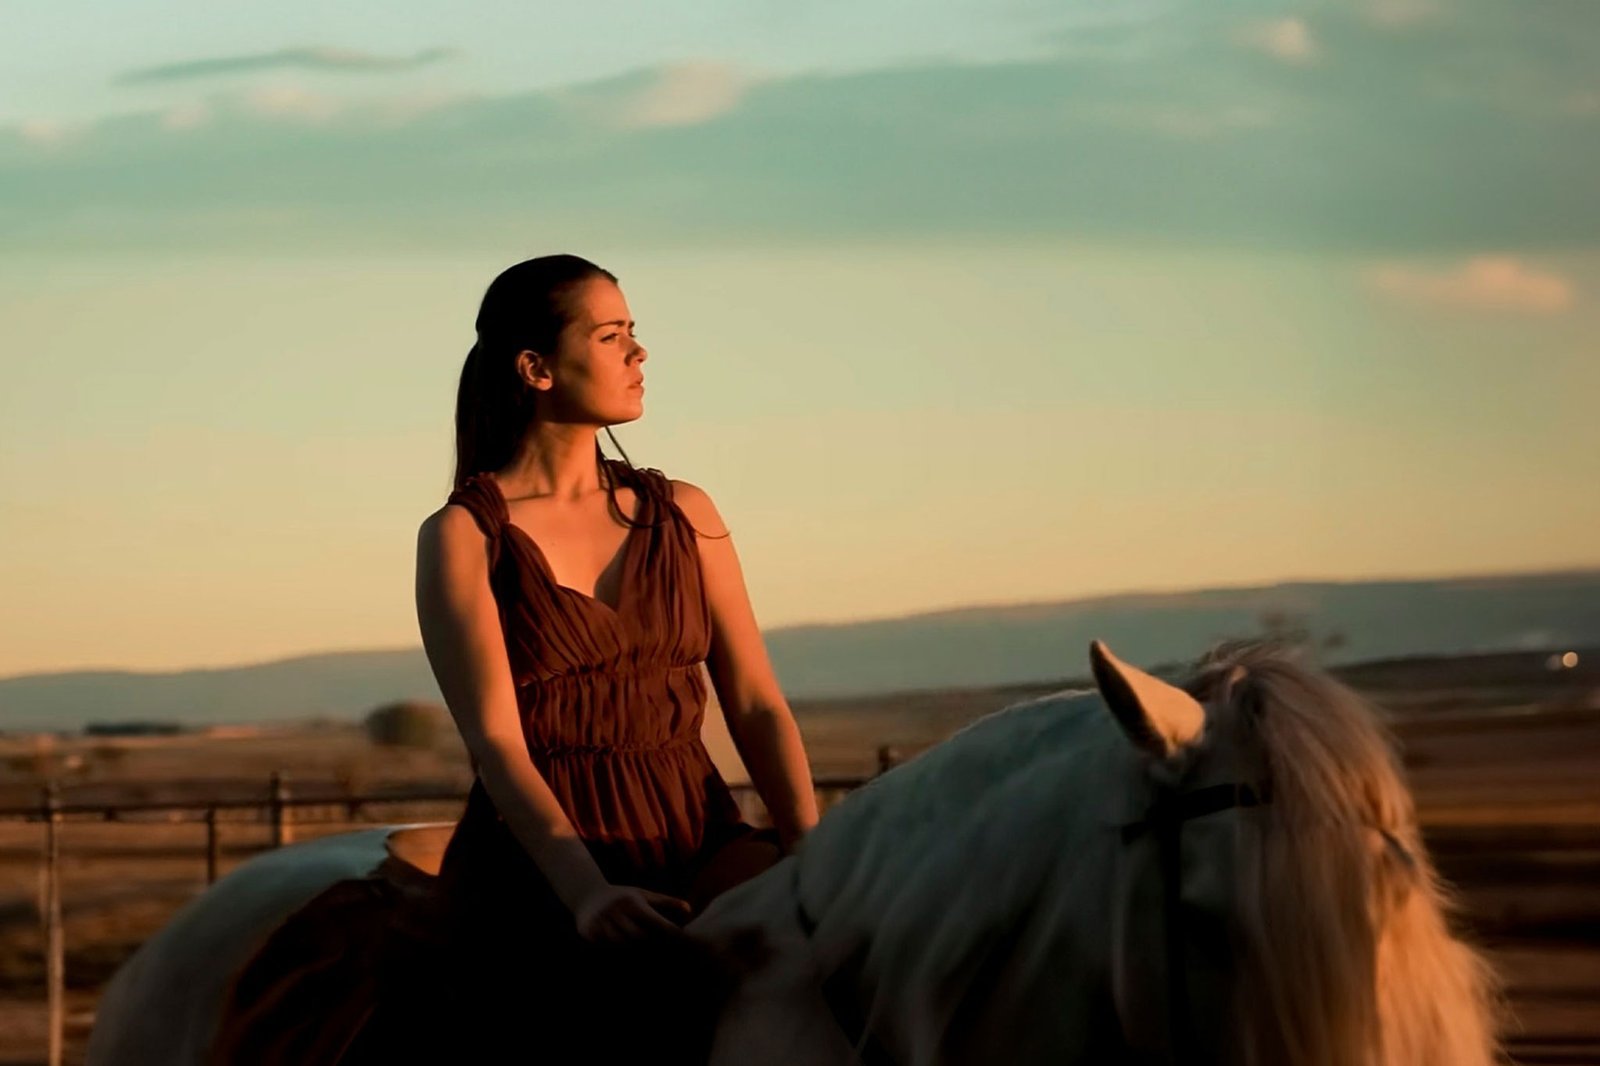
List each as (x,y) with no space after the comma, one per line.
(112,812)
(278,803)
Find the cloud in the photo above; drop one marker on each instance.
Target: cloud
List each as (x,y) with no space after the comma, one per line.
(1397,14)
(292,102)
(1192,143)
(187,116)
(335,60)
(680,94)
(1187,121)
(687,94)
(1583,104)
(45,131)
(1485,283)
(1288,40)
(391,111)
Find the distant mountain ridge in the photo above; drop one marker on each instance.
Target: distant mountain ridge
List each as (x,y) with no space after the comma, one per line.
(964,647)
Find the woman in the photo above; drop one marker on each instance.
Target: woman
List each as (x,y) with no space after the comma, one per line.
(567,604)
(560,628)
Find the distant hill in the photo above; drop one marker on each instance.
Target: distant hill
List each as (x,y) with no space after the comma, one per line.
(978,646)
(335,684)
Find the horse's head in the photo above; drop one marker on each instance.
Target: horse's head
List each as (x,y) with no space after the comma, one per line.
(1222,870)
(1274,902)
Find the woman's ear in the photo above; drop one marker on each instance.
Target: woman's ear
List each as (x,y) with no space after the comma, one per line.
(534,370)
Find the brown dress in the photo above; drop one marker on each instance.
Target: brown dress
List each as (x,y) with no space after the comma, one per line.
(611,702)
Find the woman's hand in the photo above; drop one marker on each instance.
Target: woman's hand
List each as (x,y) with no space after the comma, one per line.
(789,842)
(617,913)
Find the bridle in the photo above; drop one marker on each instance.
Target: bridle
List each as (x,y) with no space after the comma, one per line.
(1164,821)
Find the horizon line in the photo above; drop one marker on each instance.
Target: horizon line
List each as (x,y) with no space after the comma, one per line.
(1573,570)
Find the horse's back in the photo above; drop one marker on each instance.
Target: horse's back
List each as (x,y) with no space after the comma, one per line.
(162,1005)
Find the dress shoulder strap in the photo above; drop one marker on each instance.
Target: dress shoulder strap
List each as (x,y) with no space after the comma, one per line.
(651,481)
(482,496)
(656,486)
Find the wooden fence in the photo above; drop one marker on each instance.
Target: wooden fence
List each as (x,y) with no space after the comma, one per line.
(278,806)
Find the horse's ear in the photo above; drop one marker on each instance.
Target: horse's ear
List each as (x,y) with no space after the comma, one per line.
(1158,717)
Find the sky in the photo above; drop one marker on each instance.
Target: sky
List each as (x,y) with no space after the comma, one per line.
(947,304)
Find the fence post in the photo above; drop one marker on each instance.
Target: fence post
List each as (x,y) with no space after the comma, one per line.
(54,949)
(281,832)
(213,846)
(887,757)
(352,805)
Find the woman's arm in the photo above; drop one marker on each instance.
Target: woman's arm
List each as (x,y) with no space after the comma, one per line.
(461,635)
(759,719)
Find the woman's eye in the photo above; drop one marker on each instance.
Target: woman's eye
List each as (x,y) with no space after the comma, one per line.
(609,337)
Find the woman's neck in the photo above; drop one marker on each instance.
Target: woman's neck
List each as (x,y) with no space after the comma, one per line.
(556,461)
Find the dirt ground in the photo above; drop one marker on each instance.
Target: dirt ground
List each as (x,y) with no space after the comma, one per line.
(1503,755)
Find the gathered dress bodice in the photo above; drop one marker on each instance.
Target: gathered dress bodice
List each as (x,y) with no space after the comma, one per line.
(611,697)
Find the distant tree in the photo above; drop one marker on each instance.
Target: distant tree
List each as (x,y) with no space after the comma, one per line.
(1293,629)
(134,729)
(1284,627)
(407,724)
(1169,671)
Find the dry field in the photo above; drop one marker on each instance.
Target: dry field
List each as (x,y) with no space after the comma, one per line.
(1503,755)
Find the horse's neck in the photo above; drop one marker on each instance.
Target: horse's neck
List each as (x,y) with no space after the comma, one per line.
(923,881)
(1049,754)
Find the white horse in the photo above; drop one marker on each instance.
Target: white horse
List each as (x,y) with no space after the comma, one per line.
(1227,872)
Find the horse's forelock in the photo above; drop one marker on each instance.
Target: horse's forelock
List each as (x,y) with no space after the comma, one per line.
(1348,952)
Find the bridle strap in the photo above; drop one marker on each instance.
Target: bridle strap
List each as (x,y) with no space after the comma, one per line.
(1174,809)
(1165,820)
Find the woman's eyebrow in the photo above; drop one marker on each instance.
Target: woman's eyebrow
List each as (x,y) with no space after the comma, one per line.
(614,322)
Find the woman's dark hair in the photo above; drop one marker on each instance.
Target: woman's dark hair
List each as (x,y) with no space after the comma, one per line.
(526,307)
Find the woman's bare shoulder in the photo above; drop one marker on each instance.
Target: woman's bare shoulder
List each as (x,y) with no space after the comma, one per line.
(697,507)
(449,529)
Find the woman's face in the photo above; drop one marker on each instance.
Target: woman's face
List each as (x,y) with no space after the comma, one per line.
(597,374)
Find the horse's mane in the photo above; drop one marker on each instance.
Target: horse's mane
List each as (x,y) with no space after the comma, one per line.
(1338,897)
